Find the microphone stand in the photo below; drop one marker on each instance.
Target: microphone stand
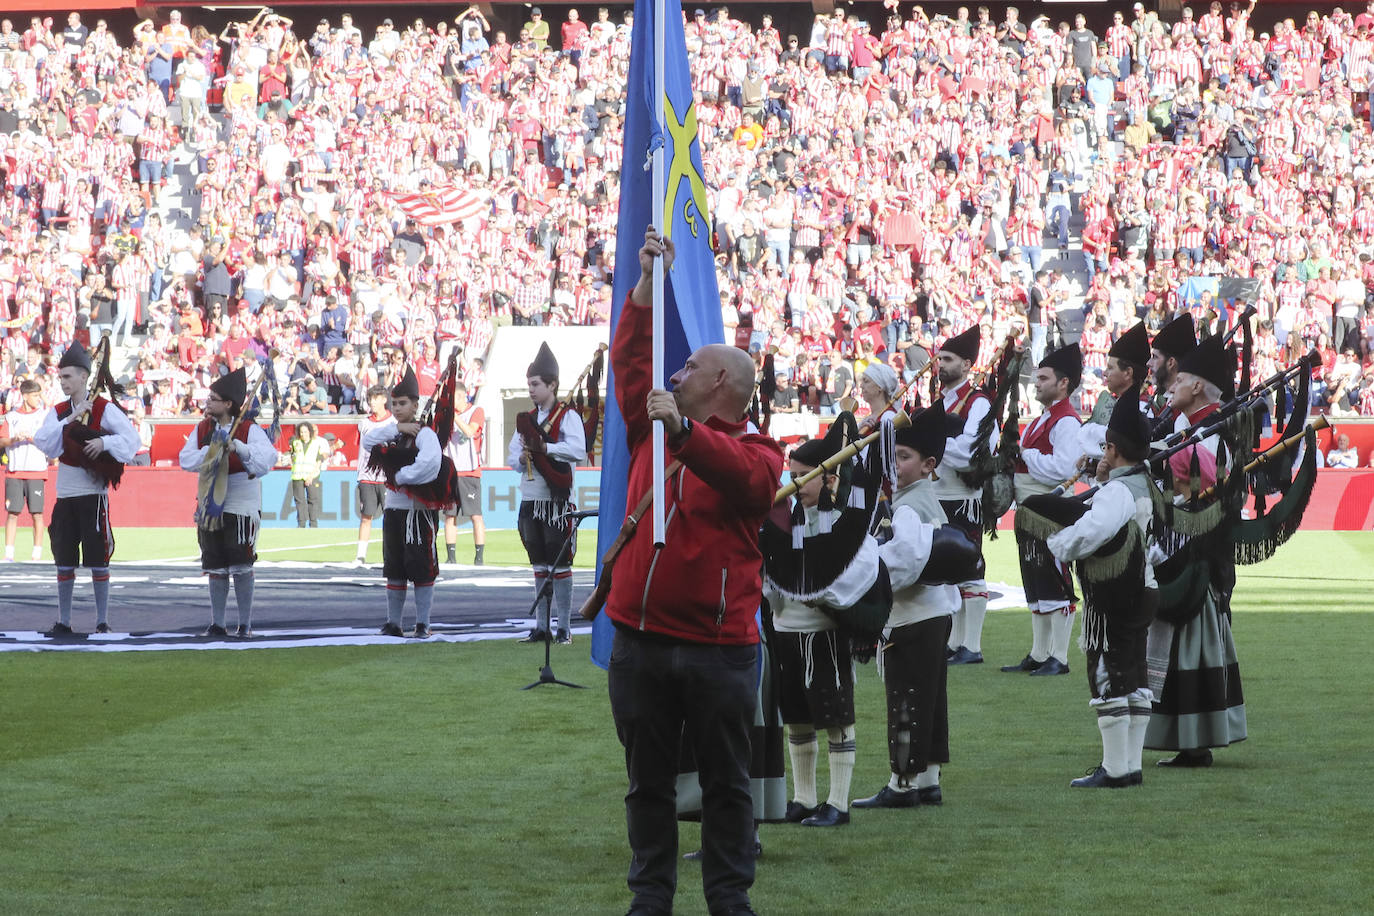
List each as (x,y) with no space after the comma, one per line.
(546,595)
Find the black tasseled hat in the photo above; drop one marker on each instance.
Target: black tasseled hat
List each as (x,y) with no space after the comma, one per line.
(1177,338)
(1128,422)
(1211,362)
(408,386)
(544,365)
(232,387)
(76,356)
(927,433)
(1133,346)
(965,345)
(1067,361)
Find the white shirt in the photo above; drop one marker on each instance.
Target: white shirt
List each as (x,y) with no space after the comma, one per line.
(959,449)
(120,440)
(423,469)
(571,447)
(258,455)
(1112,508)
(1049,471)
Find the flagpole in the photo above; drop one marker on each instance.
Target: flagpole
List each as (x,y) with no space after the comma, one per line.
(662,227)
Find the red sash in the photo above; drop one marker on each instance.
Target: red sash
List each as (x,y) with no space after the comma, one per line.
(76,435)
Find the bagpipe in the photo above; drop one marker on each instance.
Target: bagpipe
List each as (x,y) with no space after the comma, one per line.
(989,468)
(390,457)
(559,474)
(212,488)
(78,432)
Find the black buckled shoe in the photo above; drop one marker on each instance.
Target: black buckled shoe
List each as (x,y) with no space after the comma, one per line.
(1136,777)
(888,797)
(1097,778)
(391,629)
(102,627)
(215,629)
(797,812)
(1188,759)
(930,795)
(965,656)
(535,636)
(827,815)
(1050,667)
(564,638)
(421,631)
(59,631)
(243,632)
(1025,664)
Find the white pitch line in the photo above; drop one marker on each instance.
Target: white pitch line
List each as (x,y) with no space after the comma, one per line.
(196,557)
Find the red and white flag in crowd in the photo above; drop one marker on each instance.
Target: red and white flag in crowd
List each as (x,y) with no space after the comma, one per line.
(443,205)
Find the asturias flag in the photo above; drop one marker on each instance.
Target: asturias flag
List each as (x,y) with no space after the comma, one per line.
(691,299)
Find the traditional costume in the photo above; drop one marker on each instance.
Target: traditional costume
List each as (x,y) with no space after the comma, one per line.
(912,654)
(1049,453)
(231,457)
(559,442)
(965,406)
(80,531)
(1201,704)
(409,524)
(1108,543)
(824,564)
(371,479)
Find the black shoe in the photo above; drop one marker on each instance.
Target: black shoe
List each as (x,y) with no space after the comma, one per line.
(60,631)
(797,812)
(477,555)
(215,629)
(452,557)
(888,797)
(742,909)
(1025,664)
(965,656)
(1050,667)
(648,911)
(421,631)
(564,638)
(694,856)
(102,628)
(930,795)
(243,632)
(1188,759)
(535,636)
(1097,778)
(1136,777)
(949,653)
(391,629)
(827,815)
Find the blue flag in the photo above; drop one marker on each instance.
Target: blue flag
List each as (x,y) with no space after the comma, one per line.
(691,298)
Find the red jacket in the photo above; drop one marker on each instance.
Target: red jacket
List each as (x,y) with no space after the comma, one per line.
(704,587)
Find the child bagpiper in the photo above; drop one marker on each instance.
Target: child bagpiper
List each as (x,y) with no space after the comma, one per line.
(912,654)
(411,455)
(1119,593)
(231,453)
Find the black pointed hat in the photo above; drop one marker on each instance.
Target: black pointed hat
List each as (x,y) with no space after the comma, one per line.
(408,386)
(1067,361)
(1211,362)
(1177,338)
(927,433)
(1133,346)
(544,365)
(965,345)
(76,356)
(232,387)
(1128,422)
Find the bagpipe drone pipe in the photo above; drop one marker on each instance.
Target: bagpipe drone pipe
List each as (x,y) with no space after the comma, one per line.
(559,474)
(989,468)
(77,433)
(212,489)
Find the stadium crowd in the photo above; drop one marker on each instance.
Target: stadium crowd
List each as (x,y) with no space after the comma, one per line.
(875,187)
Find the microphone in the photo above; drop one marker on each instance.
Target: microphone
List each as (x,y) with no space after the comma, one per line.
(585,513)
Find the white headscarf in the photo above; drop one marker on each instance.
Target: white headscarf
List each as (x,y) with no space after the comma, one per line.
(882,376)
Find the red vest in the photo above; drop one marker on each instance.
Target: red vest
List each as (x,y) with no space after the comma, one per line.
(1037,435)
(205,427)
(965,397)
(72,455)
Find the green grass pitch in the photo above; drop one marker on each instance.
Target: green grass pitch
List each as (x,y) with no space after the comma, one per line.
(420,779)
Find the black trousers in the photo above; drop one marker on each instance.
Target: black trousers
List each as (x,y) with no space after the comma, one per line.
(663,693)
(307,497)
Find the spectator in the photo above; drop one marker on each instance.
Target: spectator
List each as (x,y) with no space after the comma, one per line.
(308,455)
